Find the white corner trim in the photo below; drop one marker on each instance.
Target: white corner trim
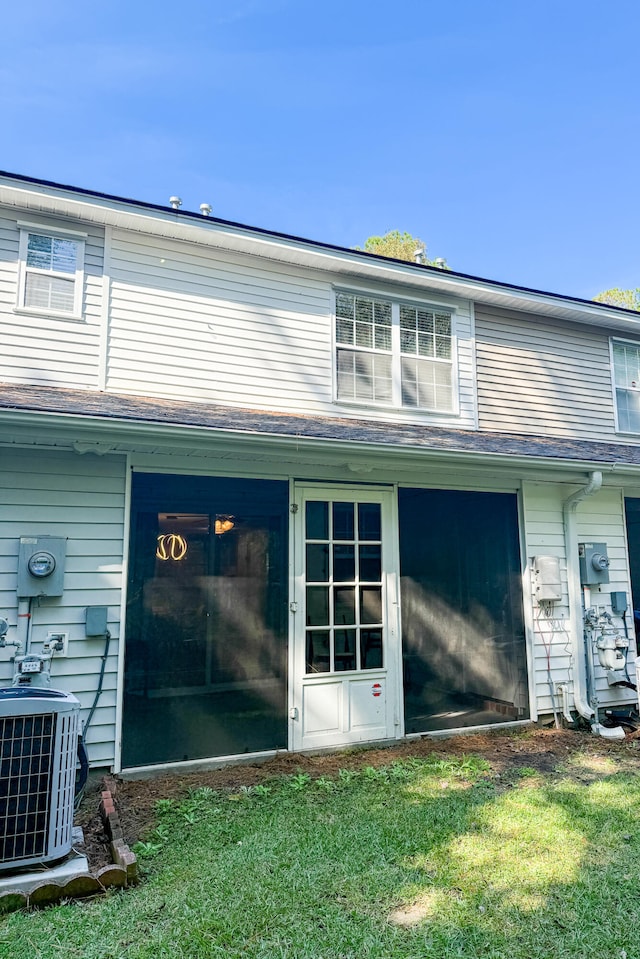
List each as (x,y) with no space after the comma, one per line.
(105,310)
(117,757)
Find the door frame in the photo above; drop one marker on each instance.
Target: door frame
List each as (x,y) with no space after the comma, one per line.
(392,670)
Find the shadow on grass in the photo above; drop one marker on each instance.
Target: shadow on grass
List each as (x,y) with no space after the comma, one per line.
(420,859)
(549,869)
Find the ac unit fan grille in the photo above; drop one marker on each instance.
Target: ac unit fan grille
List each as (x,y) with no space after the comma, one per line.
(26,768)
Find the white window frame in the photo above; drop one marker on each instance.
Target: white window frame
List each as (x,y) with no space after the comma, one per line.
(396,403)
(33,229)
(635,344)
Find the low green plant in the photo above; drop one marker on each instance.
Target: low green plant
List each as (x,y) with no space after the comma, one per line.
(526,772)
(346,776)
(261,790)
(298,782)
(146,850)
(326,783)
(203,794)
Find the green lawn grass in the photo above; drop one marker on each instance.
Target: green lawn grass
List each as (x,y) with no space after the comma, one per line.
(423,858)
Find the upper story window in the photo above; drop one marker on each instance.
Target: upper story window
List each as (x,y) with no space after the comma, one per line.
(395,354)
(51,272)
(626,368)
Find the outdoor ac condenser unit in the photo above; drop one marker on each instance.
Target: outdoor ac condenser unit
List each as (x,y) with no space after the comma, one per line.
(39,731)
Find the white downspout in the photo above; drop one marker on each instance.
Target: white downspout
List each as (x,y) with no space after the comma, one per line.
(576,627)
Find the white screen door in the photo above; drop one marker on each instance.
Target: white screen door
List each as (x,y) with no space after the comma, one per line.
(346,651)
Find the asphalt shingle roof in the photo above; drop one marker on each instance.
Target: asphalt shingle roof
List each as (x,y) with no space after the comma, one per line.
(116,408)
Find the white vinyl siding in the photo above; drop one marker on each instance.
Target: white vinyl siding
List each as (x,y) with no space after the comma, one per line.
(80,498)
(626,370)
(50,348)
(190,322)
(600,518)
(541,376)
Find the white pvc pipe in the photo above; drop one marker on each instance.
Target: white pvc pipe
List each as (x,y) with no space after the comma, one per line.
(576,630)
(22,626)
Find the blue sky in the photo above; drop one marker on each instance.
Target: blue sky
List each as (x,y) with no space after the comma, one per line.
(504,133)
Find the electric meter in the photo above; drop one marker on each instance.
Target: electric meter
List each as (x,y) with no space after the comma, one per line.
(41,561)
(41,564)
(594,563)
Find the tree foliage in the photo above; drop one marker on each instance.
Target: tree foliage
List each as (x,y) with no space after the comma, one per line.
(629,299)
(400,246)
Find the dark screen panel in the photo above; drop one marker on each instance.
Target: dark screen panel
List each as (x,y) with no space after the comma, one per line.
(461,588)
(632,510)
(206,650)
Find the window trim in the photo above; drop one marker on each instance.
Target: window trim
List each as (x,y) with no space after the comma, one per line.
(396,405)
(624,341)
(36,229)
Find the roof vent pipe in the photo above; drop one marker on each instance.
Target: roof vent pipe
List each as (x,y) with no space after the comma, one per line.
(205,209)
(576,627)
(419,255)
(175,202)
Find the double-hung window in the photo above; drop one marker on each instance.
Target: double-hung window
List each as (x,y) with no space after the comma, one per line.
(394,353)
(626,369)
(51,272)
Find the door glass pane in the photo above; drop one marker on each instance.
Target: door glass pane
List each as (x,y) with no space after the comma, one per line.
(317,519)
(345,649)
(353,532)
(371,648)
(371,564)
(344,605)
(369,521)
(206,641)
(343,521)
(317,605)
(344,564)
(371,604)
(317,563)
(318,651)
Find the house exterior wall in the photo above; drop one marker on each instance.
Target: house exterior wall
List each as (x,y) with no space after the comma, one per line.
(539,376)
(243,331)
(48,350)
(160,313)
(599,519)
(81,498)
(169,318)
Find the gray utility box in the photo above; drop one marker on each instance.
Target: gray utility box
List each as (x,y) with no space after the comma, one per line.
(594,563)
(41,566)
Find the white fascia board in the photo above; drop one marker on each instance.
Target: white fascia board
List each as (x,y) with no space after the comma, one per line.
(110,431)
(128,215)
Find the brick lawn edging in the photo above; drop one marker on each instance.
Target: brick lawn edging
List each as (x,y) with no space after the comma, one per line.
(123,872)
